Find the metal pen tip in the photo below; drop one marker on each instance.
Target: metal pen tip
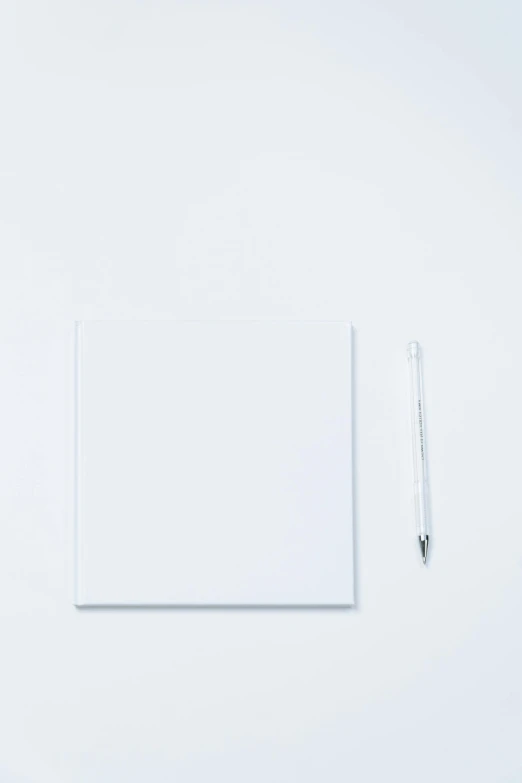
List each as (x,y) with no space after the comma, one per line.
(424,547)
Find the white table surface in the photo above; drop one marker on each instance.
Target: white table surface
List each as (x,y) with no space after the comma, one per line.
(270,160)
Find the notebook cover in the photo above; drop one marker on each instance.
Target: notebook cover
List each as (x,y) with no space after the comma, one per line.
(213,464)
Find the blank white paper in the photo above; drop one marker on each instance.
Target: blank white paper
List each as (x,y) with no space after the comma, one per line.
(213,464)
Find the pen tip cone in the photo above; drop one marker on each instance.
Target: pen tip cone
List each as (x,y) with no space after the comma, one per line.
(424,547)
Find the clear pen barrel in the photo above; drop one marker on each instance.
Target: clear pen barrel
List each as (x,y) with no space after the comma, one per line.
(420,476)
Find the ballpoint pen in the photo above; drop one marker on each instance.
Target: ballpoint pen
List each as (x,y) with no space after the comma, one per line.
(420,474)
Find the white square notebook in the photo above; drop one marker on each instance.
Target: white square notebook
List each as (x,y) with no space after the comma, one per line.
(213,464)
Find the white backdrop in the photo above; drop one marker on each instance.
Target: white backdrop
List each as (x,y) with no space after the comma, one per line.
(356,160)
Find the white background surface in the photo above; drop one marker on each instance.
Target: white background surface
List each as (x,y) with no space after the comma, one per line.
(261,160)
